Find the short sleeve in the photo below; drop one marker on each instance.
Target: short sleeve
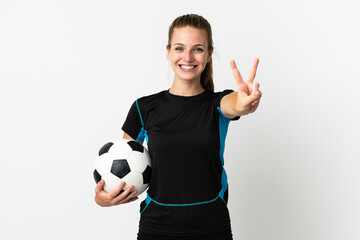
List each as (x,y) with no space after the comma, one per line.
(132,124)
(220,96)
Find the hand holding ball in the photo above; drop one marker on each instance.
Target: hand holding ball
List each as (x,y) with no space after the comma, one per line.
(123,161)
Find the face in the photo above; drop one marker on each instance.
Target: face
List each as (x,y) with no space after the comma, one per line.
(188,53)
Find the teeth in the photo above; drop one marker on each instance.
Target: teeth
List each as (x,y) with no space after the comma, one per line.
(187,67)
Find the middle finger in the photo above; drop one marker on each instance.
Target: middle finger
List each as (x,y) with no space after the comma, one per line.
(253,71)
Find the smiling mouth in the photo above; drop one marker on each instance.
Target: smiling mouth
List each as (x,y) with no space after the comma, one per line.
(187,67)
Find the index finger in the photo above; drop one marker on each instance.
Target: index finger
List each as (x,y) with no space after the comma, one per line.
(99,186)
(236,73)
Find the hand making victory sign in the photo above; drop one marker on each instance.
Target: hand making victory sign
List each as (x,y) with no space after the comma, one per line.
(247,98)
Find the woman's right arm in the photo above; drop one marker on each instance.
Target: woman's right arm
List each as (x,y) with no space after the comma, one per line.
(107,199)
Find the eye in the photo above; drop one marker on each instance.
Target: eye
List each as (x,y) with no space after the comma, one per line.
(178,48)
(199,50)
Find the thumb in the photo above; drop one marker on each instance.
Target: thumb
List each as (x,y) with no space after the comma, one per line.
(100,186)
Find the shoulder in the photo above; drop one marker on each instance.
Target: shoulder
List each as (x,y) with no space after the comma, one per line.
(150,101)
(151,97)
(219,95)
(223,92)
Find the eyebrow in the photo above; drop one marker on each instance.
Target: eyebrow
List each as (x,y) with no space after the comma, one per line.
(194,45)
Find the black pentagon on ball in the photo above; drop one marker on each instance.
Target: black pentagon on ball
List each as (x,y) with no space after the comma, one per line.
(136,146)
(147,174)
(105,148)
(120,168)
(97,176)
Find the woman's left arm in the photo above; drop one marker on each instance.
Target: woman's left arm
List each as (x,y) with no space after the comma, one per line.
(246,99)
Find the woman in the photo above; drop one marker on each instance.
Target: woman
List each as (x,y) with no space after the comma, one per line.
(185,127)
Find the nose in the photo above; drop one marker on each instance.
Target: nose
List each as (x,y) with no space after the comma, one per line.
(188,56)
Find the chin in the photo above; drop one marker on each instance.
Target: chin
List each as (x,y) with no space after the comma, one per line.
(187,76)
(188,79)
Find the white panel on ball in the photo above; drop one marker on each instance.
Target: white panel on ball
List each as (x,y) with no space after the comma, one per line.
(134,178)
(136,162)
(103,164)
(119,150)
(111,181)
(142,189)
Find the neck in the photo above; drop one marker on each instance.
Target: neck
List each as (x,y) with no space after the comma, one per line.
(186,89)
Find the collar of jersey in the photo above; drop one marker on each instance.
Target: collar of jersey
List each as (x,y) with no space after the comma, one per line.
(185,98)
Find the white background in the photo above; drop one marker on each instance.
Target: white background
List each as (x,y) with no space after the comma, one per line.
(70,70)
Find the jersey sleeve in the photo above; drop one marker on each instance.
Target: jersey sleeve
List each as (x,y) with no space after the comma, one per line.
(132,124)
(220,96)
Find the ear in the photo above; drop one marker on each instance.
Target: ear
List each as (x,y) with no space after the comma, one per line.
(168,51)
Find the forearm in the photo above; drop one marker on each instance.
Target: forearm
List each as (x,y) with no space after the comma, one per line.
(227,105)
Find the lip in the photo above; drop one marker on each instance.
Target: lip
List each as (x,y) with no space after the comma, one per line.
(187,70)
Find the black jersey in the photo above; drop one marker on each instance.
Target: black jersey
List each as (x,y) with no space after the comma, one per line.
(186,138)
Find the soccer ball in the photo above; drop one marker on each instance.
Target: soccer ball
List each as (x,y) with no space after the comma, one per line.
(123,160)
